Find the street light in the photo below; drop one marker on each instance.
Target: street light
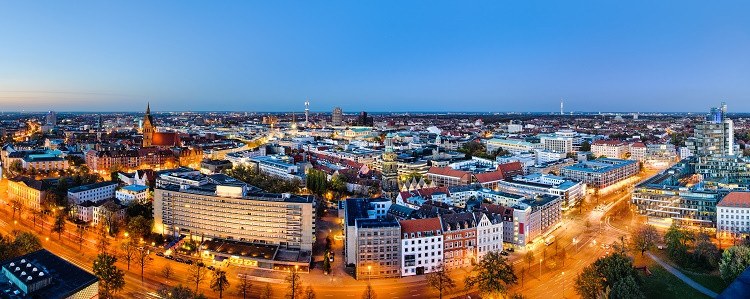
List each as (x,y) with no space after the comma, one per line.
(540,268)
(369,273)
(563,283)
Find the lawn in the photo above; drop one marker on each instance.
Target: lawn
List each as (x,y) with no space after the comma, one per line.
(711,280)
(662,284)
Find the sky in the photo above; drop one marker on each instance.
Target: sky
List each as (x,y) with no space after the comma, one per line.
(378,56)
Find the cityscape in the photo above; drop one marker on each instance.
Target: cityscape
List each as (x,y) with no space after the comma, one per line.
(223,163)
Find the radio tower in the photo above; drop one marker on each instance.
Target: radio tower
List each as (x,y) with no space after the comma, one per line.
(561,107)
(307,112)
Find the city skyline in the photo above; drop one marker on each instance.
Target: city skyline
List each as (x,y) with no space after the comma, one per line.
(444,57)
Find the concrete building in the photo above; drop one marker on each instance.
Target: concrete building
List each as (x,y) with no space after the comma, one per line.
(280,166)
(447,177)
(513,146)
(421,246)
(535,218)
(378,248)
(30,192)
(93,192)
(221,207)
(614,149)
(97,212)
(570,192)
(489,233)
(360,208)
(337,117)
(733,215)
(601,173)
(556,143)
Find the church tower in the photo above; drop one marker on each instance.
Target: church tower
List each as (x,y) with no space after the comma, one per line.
(389,182)
(148,128)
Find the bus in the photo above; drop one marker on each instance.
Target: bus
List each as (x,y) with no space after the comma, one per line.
(549,240)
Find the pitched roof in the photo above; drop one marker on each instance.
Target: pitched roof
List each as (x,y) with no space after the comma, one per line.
(458,221)
(420,225)
(446,171)
(610,142)
(491,176)
(165,139)
(736,199)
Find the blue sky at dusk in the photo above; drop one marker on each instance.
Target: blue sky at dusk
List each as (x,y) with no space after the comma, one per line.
(374,55)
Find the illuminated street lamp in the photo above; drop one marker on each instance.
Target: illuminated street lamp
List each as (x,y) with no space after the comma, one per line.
(563,283)
(369,273)
(540,268)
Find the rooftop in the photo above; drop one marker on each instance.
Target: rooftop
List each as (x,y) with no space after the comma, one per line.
(66,278)
(736,200)
(91,186)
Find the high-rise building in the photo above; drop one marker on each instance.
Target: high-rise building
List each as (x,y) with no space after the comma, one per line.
(715,136)
(364,120)
(389,182)
(51,118)
(307,112)
(337,116)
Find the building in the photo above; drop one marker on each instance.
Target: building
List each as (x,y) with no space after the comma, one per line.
(360,208)
(602,172)
(157,139)
(389,180)
(41,274)
(460,239)
(674,196)
(132,193)
(421,246)
(570,192)
(99,211)
(556,143)
(535,218)
(733,215)
(220,207)
(363,120)
(92,192)
(28,191)
(215,166)
(45,163)
(337,117)
(447,177)
(515,147)
(638,151)
(378,250)
(280,166)
(489,233)
(614,149)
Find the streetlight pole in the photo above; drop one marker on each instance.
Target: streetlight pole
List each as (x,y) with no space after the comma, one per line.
(563,284)
(540,268)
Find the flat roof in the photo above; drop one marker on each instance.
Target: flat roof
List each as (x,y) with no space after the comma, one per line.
(67,278)
(91,186)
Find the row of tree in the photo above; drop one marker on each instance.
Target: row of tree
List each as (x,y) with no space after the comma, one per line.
(266,182)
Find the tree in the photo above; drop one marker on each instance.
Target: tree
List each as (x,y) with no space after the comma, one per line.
(16,167)
(167,271)
(80,233)
(604,273)
(587,224)
(626,288)
(179,292)
(491,275)
(326,263)
(17,206)
(309,293)
(26,242)
(705,252)
(111,279)
(294,284)
(128,248)
(645,238)
(110,218)
(196,275)
(219,282)
(734,260)
(677,243)
(245,286)
(139,226)
(563,255)
(369,293)
(585,146)
(142,259)
(59,225)
(102,243)
(522,273)
(529,258)
(440,280)
(266,293)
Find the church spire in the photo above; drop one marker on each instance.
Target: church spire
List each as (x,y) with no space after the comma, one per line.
(148,108)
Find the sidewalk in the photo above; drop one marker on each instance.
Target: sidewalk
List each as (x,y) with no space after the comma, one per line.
(682,277)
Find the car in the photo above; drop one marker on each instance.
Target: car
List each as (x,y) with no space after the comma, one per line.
(189,262)
(201,264)
(159,254)
(179,260)
(503,252)
(210,268)
(169,257)
(511,249)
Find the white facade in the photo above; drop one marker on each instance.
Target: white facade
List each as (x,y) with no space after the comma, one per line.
(93,192)
(489,234)
(558,144)
(421,247)
(136,193)
(733,215)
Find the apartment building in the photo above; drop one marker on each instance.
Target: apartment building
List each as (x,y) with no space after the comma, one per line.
(459,239)
(513,146)
(421,246)
(30,192)
(446,177)
(132,193)
(489,233)
(378,251)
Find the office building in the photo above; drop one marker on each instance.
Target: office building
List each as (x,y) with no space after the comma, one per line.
(132,193)
(733,215)
(220,207)
(30,192)
(601,173)
(513,146)
(360,208)
(337,117)
(614,149)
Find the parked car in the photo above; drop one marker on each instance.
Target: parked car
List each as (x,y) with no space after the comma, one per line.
(179,259)
(210,268)
(169,257)
(189,262)
(159,254)
(201,264)
(503,252)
